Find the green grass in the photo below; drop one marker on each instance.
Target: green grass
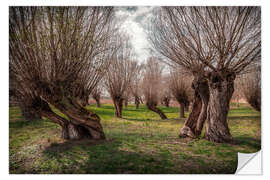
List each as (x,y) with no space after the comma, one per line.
(138,143)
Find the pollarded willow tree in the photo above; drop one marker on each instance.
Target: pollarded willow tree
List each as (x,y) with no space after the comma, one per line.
(120,74)
(152,85)
(180,87)
(58,55)
(135,86)
(215,44)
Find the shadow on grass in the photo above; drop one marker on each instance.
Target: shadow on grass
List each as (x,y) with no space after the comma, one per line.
(244,117)
(248,141)
(111,157)
(36,123)
(172,120)
(105,157)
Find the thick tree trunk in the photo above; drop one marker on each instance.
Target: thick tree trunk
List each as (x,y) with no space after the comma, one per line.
(189,127)
(182,110)
(82,123)
(194,124)
(221,89)
(118,106)
(154,108)
(203,91)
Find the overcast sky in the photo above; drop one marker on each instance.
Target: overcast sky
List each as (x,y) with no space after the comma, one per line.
(135,24)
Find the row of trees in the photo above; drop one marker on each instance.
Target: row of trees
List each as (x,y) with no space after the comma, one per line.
(177,86)
(60,55)
(146,82)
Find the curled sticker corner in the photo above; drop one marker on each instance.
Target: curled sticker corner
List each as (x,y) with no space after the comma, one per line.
(249,163)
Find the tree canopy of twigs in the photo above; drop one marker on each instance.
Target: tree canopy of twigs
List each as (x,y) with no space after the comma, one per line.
(214,38)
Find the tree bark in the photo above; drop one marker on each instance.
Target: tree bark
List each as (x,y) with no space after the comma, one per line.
(182,110)
(118,106)
(82,122)
(154,108)
(194,124)
(221,88)
(189,127)
(203,91)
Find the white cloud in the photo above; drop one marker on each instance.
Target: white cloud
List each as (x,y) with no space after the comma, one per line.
(134,25)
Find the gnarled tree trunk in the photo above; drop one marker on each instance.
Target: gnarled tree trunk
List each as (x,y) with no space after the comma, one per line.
(194,124)
(221,88)
(82,123)
(153,107)
(188,129)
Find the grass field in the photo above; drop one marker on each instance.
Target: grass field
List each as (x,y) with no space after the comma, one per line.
(139,143)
